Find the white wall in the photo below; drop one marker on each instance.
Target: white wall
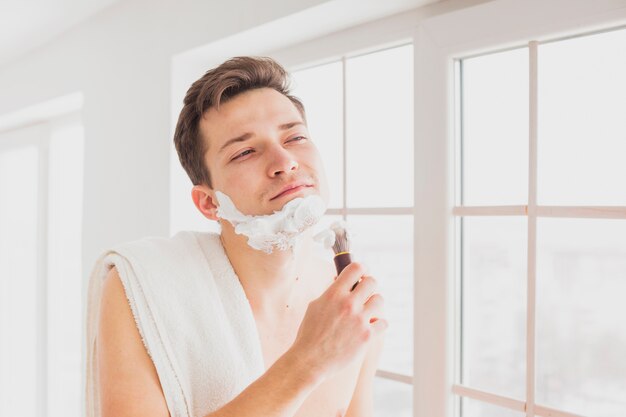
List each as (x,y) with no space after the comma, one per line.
(120,60)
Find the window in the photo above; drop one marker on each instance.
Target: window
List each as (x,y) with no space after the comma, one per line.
(541,229)
(41,285)
(360,114)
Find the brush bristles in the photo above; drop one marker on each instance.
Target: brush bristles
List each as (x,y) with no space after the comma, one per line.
(342,244)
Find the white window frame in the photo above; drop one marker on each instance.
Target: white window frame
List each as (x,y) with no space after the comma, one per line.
(37,136)
(439,42)
(33,127)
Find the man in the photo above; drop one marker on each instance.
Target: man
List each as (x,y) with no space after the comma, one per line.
(242,134)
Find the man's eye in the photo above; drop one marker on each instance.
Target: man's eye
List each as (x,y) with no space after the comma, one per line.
(297,138)
(244,153)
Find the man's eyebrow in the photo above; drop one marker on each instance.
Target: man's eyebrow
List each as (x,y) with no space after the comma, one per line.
(290,125)
(241,138)
(248,135)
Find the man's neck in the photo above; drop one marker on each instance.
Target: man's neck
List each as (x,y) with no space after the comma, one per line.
(272,282)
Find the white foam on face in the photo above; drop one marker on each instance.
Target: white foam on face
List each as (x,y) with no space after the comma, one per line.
(279,230)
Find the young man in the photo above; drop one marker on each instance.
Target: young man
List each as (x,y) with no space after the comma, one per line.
(242,134)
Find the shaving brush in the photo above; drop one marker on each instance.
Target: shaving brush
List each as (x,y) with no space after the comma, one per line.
(341,248)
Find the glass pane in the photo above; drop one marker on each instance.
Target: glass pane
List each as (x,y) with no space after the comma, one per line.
(392,398)
(321,91)
(19,170)
(475,408)
(384,244)
(494,304)
(495,128)
(582,134)
(581,315)
(379,95)
(65,196)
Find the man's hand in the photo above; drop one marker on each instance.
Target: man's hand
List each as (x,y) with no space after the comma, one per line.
(337,326)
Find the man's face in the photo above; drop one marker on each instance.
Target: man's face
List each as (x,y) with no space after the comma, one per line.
(258,147)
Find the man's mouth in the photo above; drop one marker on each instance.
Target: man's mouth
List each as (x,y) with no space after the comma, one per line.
(290,189)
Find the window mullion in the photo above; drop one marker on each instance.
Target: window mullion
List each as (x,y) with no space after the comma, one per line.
(488,397)
(41,389)
(574,212)
(394,376)
(344,128)
(532,231)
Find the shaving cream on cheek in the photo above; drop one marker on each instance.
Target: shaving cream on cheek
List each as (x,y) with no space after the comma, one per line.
(279,230)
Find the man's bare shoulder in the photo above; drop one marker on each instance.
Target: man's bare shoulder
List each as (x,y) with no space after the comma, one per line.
(126,371)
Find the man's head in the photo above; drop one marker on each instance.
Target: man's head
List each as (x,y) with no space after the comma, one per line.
(242,133)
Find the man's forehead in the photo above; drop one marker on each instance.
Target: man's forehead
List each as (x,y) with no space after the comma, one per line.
(247,111)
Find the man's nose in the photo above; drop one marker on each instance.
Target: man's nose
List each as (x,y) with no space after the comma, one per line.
(281,161)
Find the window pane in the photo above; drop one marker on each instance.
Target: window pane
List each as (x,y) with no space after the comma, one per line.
(19,170)
(379,95)
(475,408)
(582,134)
(321,91)
(385,245)
(494,304)
(495,128)
(392,398)
(581,325)
(64,271)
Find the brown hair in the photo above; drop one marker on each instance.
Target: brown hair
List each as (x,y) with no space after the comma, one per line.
(218,85)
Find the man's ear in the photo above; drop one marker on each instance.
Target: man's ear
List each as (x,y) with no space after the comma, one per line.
(204,199)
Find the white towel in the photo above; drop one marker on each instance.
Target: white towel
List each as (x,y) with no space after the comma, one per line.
(192,314)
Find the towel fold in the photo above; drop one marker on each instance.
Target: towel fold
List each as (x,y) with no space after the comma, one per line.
(193,317)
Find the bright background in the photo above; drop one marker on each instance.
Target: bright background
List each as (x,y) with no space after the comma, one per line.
(87,108)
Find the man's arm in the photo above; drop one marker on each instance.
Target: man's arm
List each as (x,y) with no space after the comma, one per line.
(130,387)
(129,384)
(362,403)
(335,328)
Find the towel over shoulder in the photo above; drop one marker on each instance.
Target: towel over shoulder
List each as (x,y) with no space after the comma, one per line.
(193,317)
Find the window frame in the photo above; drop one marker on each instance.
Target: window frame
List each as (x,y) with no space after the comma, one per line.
(37,136)
(438,50)
(16,133)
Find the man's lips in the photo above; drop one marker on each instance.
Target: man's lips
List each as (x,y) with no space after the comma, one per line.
(292,188)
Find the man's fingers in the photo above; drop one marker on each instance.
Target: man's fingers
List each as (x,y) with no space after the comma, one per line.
(365,288)
(374,306)
(379,325)
(349,276)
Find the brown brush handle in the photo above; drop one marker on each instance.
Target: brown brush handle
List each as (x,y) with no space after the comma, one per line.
(342,260)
